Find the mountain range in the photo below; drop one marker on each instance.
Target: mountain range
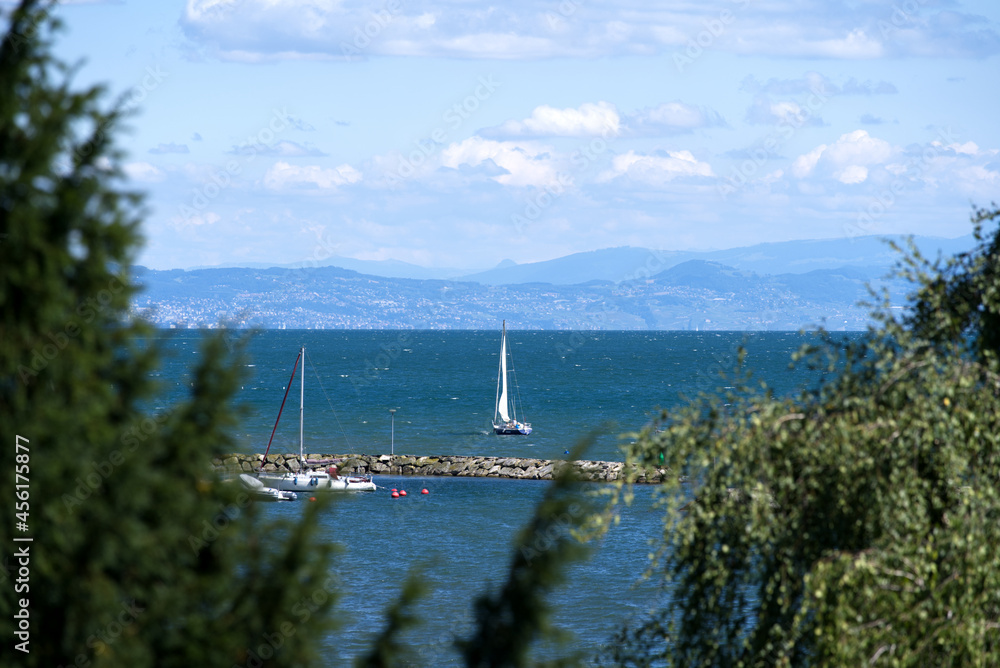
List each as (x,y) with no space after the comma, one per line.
(785,285)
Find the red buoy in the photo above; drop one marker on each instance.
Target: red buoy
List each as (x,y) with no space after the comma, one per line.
(424,491)
(395,494)
(394,489)
(312,498)
(402,492)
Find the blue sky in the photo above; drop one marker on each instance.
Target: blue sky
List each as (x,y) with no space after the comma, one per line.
(459,134)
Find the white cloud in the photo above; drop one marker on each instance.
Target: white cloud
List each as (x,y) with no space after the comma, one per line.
(853,153)
(283,148)
(602,119)
(968,148)
(978,173)
(814,82)
(162,149)
(805,164)
(588,120)
(853,174)
(855,45)
(143,171)
(283,176)
(198,220)
(675,114)
(765,111)
(847,160)
(656,169)
(294,29)
(672,118)
(525,163)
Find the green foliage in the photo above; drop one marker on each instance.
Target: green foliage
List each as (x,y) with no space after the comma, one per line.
(958,297)
(140,556)
(853,524)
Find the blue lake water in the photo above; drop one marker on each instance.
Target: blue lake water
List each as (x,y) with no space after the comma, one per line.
(443,385)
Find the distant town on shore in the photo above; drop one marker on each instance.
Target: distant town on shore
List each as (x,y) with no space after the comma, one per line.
(777,286)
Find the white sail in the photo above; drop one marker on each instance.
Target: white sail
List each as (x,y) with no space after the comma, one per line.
(502,402)
(506,410)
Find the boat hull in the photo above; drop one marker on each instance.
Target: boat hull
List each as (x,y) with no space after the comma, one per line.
(519,429)
(317,481)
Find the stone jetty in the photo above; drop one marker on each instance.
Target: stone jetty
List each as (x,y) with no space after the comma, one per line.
(449,465)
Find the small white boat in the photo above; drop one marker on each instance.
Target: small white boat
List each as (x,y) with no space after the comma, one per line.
(309,480)
(505,422)
(265,493)
(319,481)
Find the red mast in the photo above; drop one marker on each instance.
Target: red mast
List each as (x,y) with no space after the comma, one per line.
(263,461)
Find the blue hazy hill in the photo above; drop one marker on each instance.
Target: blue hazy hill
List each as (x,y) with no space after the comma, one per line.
(626,263)
(708,276)
(609,264)
(767,286)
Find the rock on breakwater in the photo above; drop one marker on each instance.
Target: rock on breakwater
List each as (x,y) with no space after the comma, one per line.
(450,465)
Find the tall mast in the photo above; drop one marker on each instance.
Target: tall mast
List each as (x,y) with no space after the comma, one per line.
(288,387)
(302,401)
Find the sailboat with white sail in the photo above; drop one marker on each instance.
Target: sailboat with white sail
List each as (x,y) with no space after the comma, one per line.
(308,480)
(505,422)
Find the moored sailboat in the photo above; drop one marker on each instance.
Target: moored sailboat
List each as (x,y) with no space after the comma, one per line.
(309,480)
(505,422)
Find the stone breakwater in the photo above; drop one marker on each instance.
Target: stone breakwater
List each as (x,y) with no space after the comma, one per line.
(469,467)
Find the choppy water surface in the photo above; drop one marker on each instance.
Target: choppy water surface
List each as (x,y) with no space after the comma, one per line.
(443,385)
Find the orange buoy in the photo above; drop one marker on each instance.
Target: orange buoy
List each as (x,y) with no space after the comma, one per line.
(424,491)
(402,492)
(312,498)
(395,494)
